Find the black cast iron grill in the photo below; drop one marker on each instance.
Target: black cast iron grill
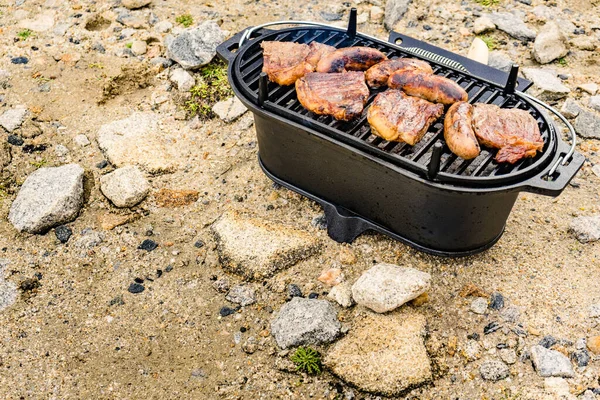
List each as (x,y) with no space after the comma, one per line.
(482,170)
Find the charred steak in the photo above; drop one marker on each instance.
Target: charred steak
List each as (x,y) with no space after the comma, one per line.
(350,59)
(427,86)
(377,76)
(458,131)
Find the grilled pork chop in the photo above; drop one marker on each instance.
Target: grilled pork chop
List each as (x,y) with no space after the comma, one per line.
(285,62)
(395,116)
(342,95)
(458,131)
(427,86)
(377,76)
(514,132)
(350,59)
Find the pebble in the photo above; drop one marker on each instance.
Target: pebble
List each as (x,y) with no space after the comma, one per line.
(549,87)
(163,27)
(19,60)
(331,277)
(496,301)
(551,363)
(513,25)
(102,164)
(586,229)
(229,110)
(133,4)
(148,245)
(15,140)
(570,108)
(472,350)
(183,79)
(241,294)
(385,287)
(305,321)
(493,370)
(483,24)
(547,341)
(550,44)
(139,47)
(590,88)
(136,288)
(221,285)
(587,124)
(294,291)
(342,294)
(376,14)
(81,140)
(347,256)
(509,356)
(197,46)
(13,118)
(225,311)
(593,343)
(63,233)
(594,103)
(125,187)
(581,357)
(491,328)
(48,197)
(394,11)
(479,305)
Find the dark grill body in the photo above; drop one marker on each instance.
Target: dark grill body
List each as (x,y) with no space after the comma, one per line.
(424,195)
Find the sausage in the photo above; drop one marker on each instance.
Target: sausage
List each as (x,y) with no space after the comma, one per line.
(378,75)
(458,131)
(430,87)
(350,59)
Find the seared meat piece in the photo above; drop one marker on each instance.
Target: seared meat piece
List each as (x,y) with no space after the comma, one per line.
(395,116)
(427,86)
(514,132)
(458,131)
(285,62)
(378,75)
(342,95)
(350,59)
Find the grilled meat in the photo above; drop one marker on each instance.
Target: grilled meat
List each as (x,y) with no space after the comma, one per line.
(377,76)
(350,59)
(427,86)
(394,116)
(458,131)
(285,62)
(342,95)
(514,132)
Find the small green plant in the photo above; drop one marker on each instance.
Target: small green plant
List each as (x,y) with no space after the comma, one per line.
(185,20)
(307,360)
(128,45)
(25,34)
(488,3)
(39,164)
(562,62)
(489,41)
(211,87)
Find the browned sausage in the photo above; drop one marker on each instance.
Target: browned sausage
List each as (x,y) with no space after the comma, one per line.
(378,75)
(350,59)
(427,86)
(458,131)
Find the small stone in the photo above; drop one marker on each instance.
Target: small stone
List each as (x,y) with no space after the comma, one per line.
(183,79)
(139,47)
(499,60)
(148,245)
(81,140)
(581,357)
(491,328)
(19,60)
(313,295)
(376,14)
(163,27)
(102,164)
(125,187)
(483,24)
(294,291)
(342,294)
(175,198)
(133,4)
(547,341)
(496,301)
(513,25)
(15,140)
(331,277)
(305,321)
(551,363)
(319,222)
(48,197)
(593,343)
(229,110)
(570,108)
(136,288)
(221,285)
(199,244)
(8,290)
(197,46)
(586,229)
(594,103)
(548,86)
(587,124)
(590,88)
(588,395)
(509,356)
(472,350)
(63,233)
(550,44)
(13,118)
(493,370)
(250,346)
(347,256)
(225,311)
(89,240)
(394,11)
(242,295)
(479,305)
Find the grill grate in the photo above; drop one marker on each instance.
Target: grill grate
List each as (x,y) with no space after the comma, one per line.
(282,101)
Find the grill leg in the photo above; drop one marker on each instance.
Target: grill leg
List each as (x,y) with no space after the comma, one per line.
(352,23)
(342,227)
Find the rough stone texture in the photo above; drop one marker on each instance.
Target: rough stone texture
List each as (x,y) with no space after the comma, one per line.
(493,370)
(479,305)
(139,47)
(570,108)
(229,110)
(594,103)
(383,354)
(394,11)
(133,4)
(241,294)
(8,290)
(81,140)
(499,60)
(137,139)
(196,47)
(183,79)
(163,27)
(483,24)
(125,187)
(49,197)
(377,14)
(305,321)
(513,25)
(385,287)
(13,118)
(509,356)
(547,85)
(257,249)
(342,294)
(550,44)
(590,88)
(586,229)
(587,124)
(551,363)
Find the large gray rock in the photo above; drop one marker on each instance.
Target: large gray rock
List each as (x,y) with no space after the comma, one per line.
(49,197)
(13,118)
(594,103)
(550,44)
(499,60)
(229,110)
(551,363)
(196,47)
(385,287)
(547,84)
(513,25)
(257,249)
(586,229)
(493,370)
(125,187)
(383,354)
(8,290)
(394,11)
(587,124)
(305,321)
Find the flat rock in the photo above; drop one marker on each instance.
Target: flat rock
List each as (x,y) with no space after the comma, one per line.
(125,187)
(590,88)
(549,44)
(594,103)
(483,24)
(493,370)
(394,11)
(257,249)
(586,229)
(241,294)
(138,140)
(229,110)
(305,321)
(500,60)
(42,23)
(8,290)
(48,197)
(183,79)
(383,354)
(513,25)
(133,4)
(551,363)
(587,43)
(587,124)
(570,108)
(13,118)
(197,46)
(385,287)
(547,84)
(342,294)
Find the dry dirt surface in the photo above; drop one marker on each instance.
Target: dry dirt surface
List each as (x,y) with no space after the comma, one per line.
(133,304)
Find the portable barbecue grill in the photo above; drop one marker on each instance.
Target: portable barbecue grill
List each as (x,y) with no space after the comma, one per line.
(422,195)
